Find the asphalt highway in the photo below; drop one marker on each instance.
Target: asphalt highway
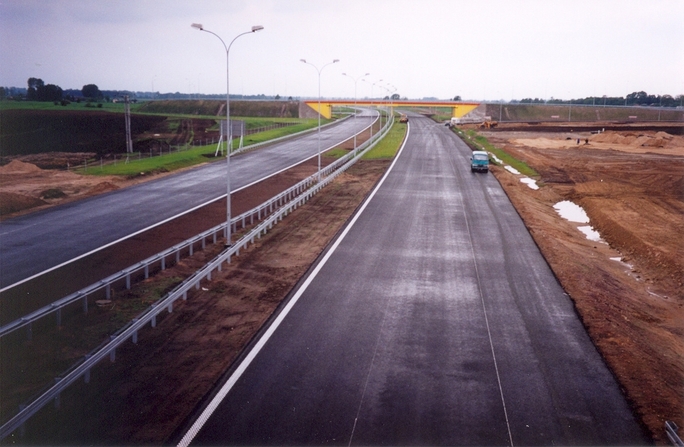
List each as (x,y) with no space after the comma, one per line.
(37,242)
(432,320)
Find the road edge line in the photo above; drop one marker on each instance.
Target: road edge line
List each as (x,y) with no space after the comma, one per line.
(244,364)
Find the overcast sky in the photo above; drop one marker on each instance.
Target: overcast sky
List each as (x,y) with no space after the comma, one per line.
(481,50)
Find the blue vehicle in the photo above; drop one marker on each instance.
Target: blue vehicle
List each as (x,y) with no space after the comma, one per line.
(479,162)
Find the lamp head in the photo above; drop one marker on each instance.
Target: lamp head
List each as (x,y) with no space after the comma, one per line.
(256,28)
(335,60)
(302,60)
(198,26)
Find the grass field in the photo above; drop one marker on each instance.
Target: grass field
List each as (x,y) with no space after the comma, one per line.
(31,127)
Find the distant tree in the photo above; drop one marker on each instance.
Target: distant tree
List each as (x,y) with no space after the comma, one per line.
(289,98)
(91,91)
(38,91)
(33,85)
(277,97)
(50,92)
(457,98)
(396,96)
(3,93)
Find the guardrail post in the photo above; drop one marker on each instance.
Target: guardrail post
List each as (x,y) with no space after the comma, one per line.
(58,399)
(185,295)
(86,375)
(128,281)
(112,353)
(191,248)
(671,429)
(108,291)
(147,271)
(163,263)
(169,308)
(204,243)
(177,256)
(58,316)
(85,304)
(22,427)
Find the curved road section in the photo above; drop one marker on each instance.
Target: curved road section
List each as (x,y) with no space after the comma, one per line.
(35,243)
(432,320)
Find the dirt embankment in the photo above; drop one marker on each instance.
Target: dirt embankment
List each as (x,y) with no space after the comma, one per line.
(629,288)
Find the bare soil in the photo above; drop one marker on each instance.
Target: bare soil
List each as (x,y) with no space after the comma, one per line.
(633,309)
(631,184)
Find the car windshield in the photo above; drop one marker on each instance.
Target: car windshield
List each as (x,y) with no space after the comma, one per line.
(480,157)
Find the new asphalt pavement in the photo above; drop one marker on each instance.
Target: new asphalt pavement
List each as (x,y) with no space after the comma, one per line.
(40,241)
(432,320)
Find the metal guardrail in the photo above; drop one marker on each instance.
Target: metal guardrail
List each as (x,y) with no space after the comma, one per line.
(130,331)
(104,286)
(161,258)
(671,430)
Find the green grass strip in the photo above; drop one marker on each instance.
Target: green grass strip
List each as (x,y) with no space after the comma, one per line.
(478,142)
(186,158)
(389,145)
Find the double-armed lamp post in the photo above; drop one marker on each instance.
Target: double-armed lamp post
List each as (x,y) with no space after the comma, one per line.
(373,84)
(319,108)
(229,128)
(355,111)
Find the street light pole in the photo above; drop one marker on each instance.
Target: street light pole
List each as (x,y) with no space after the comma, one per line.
(229,128)
(355,111)
(372,85)
(319,108)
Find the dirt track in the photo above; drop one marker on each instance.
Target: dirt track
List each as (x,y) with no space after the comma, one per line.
(632,193)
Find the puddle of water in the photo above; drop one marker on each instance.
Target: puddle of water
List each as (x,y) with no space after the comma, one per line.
(570,211)
(513,170)
(590,233)
(529,182)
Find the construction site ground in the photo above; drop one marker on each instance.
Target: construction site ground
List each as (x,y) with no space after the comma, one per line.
(627,288)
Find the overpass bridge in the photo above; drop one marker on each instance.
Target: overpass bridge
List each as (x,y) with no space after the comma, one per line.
(459,109)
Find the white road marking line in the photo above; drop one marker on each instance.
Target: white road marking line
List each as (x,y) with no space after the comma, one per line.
(216,401)
(484,309)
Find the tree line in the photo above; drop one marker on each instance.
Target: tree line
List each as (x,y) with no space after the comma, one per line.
(633,99)
(38,90)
